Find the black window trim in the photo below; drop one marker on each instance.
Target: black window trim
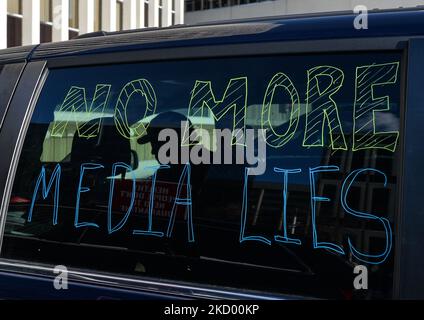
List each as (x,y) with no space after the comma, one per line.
(33,78)
(14,72)
(394,44)
(232,50)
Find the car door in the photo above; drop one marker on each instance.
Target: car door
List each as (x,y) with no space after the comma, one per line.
(82,192)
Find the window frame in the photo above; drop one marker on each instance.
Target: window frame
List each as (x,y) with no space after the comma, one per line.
(42,67)
(9,78)
(410,280)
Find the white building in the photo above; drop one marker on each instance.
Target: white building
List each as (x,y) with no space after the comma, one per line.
(214,10)
(24,22)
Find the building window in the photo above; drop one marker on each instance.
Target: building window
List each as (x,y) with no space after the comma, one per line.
(73,13)
(199,5)
(119,15)
(146,14)
(189,5)
(207,5)
(196,5)
(225,3)
(160,13)
(14,6)
(97,15)
(46,11)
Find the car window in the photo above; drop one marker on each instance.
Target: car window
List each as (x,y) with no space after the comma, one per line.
(304,189)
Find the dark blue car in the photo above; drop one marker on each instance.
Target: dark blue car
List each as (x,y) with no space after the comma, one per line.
(90,211)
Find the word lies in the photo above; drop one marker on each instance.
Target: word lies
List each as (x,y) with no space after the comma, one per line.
(183,198)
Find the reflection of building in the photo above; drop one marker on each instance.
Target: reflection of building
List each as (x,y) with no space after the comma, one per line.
(56,149)
(266,208)
(367,194)
(59,148)
(24,22)
(216,10)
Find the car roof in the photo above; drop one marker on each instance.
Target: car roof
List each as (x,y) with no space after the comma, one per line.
(319,26)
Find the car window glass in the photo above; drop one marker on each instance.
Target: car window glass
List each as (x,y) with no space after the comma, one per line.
(90,191)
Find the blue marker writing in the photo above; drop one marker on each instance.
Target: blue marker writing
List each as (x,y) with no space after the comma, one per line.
(369,258)
(112,187)
(285,238)
(81,189)
(314,200)
(244,215)
(183,201)
(55,177)
(149,231)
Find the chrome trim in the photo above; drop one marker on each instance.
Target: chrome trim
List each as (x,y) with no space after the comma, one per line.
(130,283)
